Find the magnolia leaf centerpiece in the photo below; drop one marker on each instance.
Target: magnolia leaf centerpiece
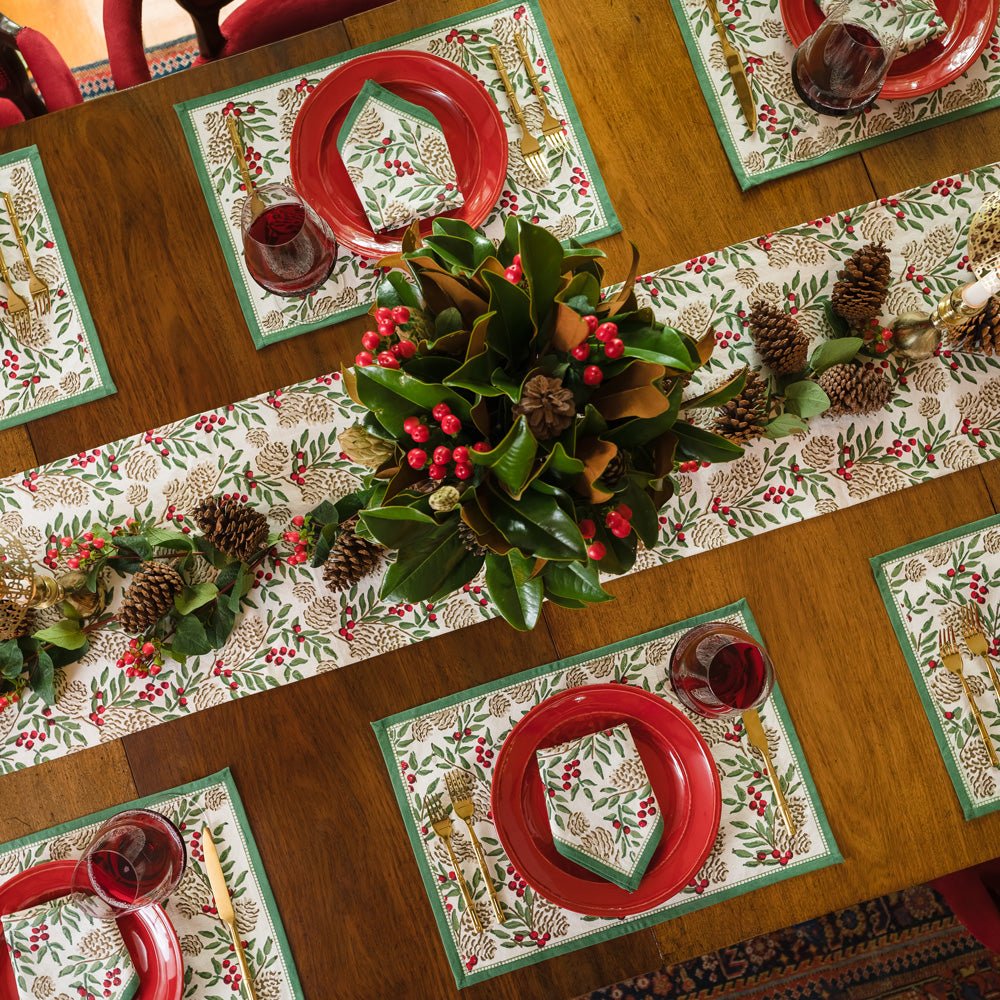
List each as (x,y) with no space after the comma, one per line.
(517,419)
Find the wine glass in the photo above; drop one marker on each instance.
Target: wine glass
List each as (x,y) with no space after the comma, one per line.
(287,247)
(718,670)
(841,67)
(135,859)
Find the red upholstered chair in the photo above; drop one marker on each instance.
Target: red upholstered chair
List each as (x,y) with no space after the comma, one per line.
(974,897)
(54,78)
(254,23)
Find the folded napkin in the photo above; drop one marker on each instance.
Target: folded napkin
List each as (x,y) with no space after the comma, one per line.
(59,949)
(916,21)
(602,812)
(398,159)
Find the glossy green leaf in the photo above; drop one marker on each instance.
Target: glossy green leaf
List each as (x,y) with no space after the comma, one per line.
(704,445)
(190,638)
(806,399)
(433,567)
(395,290)
(393,396)
(511,460)
(66,634)
(783,425)
(11,660)
(536,524)
(197,596)
(395,527)
(41,676)
(838,351)
(575,581)
(661,345)
(542,263)
(510,330)
(728,390)
(517,596)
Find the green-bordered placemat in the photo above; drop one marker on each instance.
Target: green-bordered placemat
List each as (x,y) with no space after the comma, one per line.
(572,203)
(789,136)
(466,731)
(925,586)
(205,943)
(58,362)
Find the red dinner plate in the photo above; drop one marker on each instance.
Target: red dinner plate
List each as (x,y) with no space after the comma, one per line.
(681,771)
(149,936)
(971,24)
(472,126)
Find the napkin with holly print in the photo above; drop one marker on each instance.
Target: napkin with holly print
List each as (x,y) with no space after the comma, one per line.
(398,159)
(602,811)
(918,21)
(60,949)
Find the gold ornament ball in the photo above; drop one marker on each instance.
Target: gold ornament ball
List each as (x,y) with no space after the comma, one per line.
(915,336)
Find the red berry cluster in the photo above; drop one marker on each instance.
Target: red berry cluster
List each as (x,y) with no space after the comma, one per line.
(112,977)
(157,440)
(602,341)
(947,186)
(977,589)
(693,465)
(8,699)
(617,824)
(782,857)
(596,550)
(540,939)
(514,273)
(699,885)
(11,363)
(39,933)
(209,422)
(974,432)
(302,87)
(516,885)
(384,346)
(619,521)
(221,670)
(484,755)
(28,737)
(755,798)
(141,659)
(195,846)
(570,771)
(647,808)
(233,977)
(99,709)
(299,537)
(892,203)
(79,552)
(442,456)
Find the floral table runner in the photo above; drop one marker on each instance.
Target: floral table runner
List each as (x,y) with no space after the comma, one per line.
(925,586)
(280,450)
(58,362)
(753,847)
(573,203)
(205,944)
(789,136)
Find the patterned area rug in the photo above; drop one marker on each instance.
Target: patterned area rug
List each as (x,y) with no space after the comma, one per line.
(907,946)
(164,59)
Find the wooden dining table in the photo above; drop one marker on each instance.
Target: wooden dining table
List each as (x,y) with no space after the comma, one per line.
(304,756)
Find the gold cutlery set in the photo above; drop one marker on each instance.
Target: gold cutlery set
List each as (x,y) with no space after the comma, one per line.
(459,784)
(18,310)
(951,656)
(552,129)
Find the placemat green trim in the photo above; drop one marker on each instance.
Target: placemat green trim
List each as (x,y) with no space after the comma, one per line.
(185,109)
(224,777)
(107,387)
(969,808)
(464,978)
(626,880)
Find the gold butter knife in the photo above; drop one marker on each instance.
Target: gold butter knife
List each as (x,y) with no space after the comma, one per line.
(734,63)
(256,202)
(224,905)
(758,738)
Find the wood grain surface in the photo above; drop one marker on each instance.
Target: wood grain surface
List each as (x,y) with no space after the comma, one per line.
(304,756)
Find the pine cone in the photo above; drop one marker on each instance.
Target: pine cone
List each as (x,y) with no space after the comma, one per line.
(233,527)
(981,334)
(744,416)
(350,558)
(469,539)
(616,469)
(855,389)
(547,406)
(783,347)
(149,596)
(864,283)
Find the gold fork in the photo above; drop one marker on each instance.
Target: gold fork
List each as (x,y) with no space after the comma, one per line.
(952,659)
(460,790)
(40,294)
(975,639)
(531,148)
(17,309)
(552,129)
(437,812)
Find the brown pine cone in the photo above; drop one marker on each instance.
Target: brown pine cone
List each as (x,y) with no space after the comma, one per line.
(469,539)
(149,597)
(231,526)
(350,558)
(783,347)
(616,469)
(855,388)
(981,334)
(744,416)
(547,406)
(863,284)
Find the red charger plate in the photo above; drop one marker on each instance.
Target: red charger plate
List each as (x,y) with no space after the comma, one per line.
(932,66)
(471,122)
(681,771)
(149,936)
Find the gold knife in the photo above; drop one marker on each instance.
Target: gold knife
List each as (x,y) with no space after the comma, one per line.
(758,738)
(224,905)
(737,70)
(256,202)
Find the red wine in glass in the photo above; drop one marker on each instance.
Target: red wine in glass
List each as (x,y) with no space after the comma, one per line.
(718,669)
(840,69)
(135,859)
(288,249)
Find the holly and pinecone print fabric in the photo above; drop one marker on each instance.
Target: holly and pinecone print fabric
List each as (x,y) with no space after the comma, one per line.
(56,361)
(601,807)
(397,157)
(466,732)
(572,201)
(789,136)
(910,22)
(929,586)
(62,949)
(210,970)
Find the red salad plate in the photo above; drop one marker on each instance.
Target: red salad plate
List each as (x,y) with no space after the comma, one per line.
(471,122)
(930,67)
(681,771)
(149,936)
